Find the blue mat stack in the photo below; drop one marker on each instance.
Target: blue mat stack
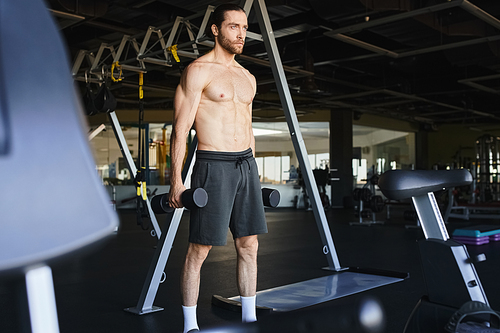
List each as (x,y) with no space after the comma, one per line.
(477,235)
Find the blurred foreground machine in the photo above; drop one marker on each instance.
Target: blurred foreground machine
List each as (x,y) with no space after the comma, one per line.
(52,202)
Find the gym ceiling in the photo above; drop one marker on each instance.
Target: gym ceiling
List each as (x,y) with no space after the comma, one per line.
(430,62)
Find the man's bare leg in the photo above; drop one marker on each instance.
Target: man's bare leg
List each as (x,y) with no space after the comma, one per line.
(246,248)
(190,283)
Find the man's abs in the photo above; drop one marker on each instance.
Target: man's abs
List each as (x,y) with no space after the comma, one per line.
(224,126)
(220,138)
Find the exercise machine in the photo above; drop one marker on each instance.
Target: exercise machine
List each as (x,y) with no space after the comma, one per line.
(369,203)
(451,278)
(44,226)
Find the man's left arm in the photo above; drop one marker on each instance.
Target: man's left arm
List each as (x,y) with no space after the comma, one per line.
(252,143)
(252,139)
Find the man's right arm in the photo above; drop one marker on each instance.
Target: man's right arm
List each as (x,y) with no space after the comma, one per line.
(186,102)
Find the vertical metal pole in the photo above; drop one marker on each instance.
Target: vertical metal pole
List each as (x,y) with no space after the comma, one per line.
(146,152)
(247,6)
(293,125)
(41,300)
(430,217)
(160,258)
(117,129)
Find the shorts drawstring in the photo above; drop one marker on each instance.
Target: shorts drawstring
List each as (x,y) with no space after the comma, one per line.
(239,162)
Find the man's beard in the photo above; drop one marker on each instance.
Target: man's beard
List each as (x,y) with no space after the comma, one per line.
(228,46)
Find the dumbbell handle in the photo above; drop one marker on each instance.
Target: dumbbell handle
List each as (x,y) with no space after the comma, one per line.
(191,198)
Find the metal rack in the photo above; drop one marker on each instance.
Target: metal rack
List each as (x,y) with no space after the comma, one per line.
(486,168)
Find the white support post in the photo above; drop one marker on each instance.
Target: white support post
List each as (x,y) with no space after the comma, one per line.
(41,300)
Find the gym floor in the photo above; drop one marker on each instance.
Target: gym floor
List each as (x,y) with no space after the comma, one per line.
(93,289)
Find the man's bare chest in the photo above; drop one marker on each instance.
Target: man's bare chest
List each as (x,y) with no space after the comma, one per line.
(230,85)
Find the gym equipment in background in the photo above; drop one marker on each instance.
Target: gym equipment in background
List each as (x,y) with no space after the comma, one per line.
(369,203)
(449,272)
(38,97)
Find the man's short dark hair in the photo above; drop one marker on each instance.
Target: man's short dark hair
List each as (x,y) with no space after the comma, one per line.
(219,15)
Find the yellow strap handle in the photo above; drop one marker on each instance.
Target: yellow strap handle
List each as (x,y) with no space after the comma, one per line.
(141,184)
(173,49)
(144,192)
(141,83)
(117,65)
(138,182)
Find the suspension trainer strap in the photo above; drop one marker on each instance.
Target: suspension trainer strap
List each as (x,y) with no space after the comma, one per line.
(140,179)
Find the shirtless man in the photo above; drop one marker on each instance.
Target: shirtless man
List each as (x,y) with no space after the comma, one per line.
(215,94)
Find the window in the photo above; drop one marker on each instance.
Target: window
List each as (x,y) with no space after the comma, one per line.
(319,161)
(382,150)
(274,169)
(359,170)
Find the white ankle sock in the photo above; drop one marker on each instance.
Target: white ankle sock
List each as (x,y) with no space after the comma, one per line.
(248,309)
(190,321)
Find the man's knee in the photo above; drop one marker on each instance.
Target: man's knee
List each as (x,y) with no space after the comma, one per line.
(198,252)
(247,246)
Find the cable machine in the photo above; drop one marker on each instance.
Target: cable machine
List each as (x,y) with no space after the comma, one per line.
(487,164)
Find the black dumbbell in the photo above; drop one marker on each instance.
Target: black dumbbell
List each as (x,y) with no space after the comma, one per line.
(270,197)
(191,198)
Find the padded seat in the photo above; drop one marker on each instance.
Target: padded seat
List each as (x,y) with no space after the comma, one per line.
(402,184)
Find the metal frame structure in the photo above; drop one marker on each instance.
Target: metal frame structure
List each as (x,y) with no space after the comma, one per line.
(157,52)
(155,273)
(296,135)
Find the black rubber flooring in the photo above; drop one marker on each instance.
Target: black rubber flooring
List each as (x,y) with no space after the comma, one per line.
(93,289)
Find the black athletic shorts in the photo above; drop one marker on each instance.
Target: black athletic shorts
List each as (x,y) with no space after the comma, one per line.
(231,180)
